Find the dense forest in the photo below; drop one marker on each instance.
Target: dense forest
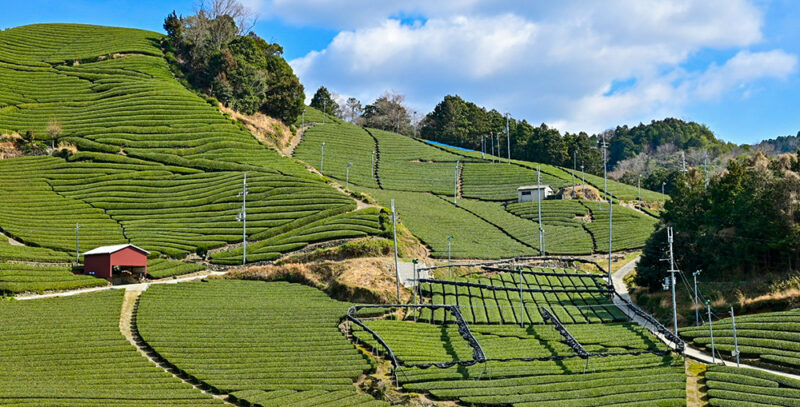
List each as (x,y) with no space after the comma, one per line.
(465,124)
(243,71)
(746,222)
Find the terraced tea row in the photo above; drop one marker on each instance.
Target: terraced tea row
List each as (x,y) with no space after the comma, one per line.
(497,298)
(365,222)
(532,365)
(344,144)
(433,219)
(132,107)
(70,352)
(274,340)
(20,278)
(730,386)
(769,339)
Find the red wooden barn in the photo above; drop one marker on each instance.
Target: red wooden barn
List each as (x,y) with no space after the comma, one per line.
(100,262)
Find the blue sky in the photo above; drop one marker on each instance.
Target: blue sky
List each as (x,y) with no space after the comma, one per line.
(577,65)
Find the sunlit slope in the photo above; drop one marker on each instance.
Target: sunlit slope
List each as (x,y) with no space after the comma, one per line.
(157,165)
(484,221)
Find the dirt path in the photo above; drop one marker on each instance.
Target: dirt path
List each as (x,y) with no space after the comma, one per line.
(11,241)
(695,384)
(129,329)
(296,139)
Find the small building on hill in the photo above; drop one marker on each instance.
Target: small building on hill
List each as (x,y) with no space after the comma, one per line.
(116,263)
(533,193)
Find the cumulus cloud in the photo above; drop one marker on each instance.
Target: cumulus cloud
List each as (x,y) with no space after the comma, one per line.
(549,62)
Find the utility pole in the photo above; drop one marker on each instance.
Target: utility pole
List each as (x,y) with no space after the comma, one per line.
(415,274)
(610,235)
(304,119)
(347,177)
(414,117)
(396,261)
(455,184)
(77,243)
(672,272)
(705,160)
(324,110)
(373,165)
(639,187)
(574,168)
(711,332)
(483,147)
(521,303)
(243,218)
(539,193)
(322,159)
(605,170)
(735,340)
(696,306)
(508,139)
(662,187)
(449,252)
(683,162)
(491,140)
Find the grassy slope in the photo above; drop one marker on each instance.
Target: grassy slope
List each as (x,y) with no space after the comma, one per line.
(157,165)
(420,177)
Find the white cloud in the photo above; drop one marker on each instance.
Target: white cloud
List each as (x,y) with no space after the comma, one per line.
(541,61)
(742,69)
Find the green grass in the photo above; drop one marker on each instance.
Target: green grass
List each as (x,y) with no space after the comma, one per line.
(69,352)
(769,339)
(274,337)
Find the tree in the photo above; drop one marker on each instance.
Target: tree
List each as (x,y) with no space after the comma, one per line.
(244,72)
(353,109)
(244,17)
(323,101)
(745,223)
(54,130)
(388,112)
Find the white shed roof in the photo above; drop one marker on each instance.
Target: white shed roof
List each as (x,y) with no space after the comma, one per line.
(112,249)
(527,187)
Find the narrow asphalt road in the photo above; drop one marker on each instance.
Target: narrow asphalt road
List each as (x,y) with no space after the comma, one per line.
(690,352)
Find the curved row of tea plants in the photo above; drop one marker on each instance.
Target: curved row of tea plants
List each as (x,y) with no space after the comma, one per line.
(248,335)
(731,386)
(770,339)
(19,278)
(69,352)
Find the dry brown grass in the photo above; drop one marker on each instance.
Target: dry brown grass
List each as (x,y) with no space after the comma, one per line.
(269,131)
(366,280)
(586,192)
(8,148)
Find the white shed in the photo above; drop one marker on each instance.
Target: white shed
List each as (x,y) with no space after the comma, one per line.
(533,193)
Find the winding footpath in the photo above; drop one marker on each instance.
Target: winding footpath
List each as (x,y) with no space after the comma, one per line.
(690,352)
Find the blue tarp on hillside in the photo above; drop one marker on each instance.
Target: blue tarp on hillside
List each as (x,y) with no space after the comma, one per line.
(448,145)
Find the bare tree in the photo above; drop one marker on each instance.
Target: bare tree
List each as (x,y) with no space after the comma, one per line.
(244,17)
(353,109)
(54,130)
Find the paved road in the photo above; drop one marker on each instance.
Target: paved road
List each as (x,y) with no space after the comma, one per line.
(693,353)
